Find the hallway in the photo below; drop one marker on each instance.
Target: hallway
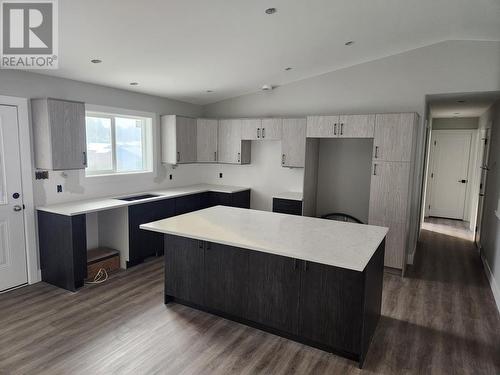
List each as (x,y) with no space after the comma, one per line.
(440,319)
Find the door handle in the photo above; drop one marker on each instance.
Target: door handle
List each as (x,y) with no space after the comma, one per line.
(376,152)
(258,132)
(178,156)
(263,132)
(84,158)
(342,128)
(17,208)
(239,157)
(215,155)
(374,169)
(283,159)
(334,129)
(463,181)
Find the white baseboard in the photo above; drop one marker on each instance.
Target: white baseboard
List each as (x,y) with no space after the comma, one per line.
(495,288)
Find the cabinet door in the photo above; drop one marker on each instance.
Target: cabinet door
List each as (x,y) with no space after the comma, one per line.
(293,143)
(271,129)
(189,203)
(206,137)
(393,136)
(226,285)
(143,243)
(229,142)
(68,135)
(273,293)
(357,126)
(389,192)
(322,318)
(184,269)
(186,139)
(287,206)
(322,126)
(251,129)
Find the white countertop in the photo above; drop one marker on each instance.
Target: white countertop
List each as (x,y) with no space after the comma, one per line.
(292,195)
(101,204)
(334,243)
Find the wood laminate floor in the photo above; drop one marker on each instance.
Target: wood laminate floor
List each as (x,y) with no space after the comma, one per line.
(440,319)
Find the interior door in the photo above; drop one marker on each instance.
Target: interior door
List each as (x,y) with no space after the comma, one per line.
(449,172)
(13,270)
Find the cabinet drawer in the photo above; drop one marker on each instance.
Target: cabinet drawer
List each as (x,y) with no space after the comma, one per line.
(287,206)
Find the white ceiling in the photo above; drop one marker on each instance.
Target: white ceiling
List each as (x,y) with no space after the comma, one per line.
(181,48)
(461,105)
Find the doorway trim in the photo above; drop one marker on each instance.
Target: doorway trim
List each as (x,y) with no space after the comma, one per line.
(22,105)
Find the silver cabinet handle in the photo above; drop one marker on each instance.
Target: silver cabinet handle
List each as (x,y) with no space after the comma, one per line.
(342,128)
(215,155)
(84,158)
(178,156)
(258,132)
(239,157)
(263,132)
(376,152)
(283,159)
(334,129)
(17,208)
(374,169)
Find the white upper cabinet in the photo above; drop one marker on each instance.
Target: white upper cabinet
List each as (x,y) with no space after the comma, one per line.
(59,134)
(179,143)
(271,129)
(356,126)
(322,126)
(251,128)
(231,148)
(206,137)
(394,135)
(293,143)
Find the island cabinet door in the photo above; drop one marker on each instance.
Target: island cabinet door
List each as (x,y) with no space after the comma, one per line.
(273,294)
(184,269)
(226,279)
(331,306)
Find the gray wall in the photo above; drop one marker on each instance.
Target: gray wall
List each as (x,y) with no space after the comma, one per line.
(490,237)
(455,123)
(344,176)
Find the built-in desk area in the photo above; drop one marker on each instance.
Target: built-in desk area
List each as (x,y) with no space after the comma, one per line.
(62,228)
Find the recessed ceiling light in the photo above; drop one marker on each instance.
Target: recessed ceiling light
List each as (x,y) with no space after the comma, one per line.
(460,101)
(456,113)
(288,68)
(209,91)
(349,43)
(134,83)
(271,10)
(96,61)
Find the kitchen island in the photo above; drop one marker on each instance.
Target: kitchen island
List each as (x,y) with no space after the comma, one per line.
(311,280)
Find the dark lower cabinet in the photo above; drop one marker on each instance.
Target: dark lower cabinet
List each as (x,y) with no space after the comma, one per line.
(190,203)
(287,206)
(226,289)
(274,293)
(322,318)
(239,199)
(142,243)
(184,269)
(331,308)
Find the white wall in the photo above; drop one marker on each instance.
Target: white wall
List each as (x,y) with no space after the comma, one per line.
(396,83)
(344,176)
(75,184)
(455,123)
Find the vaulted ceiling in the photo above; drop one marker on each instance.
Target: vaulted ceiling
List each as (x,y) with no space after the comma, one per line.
(182,48)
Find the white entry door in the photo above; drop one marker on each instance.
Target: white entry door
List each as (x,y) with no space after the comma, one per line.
(13,270)
(449,172)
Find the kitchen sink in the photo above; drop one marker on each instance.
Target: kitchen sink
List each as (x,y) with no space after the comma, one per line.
(137,197)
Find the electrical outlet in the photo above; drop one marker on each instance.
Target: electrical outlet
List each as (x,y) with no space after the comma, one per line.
(59,188)
(170,176)
(220,175)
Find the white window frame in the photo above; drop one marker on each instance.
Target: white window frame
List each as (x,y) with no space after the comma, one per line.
(147,140)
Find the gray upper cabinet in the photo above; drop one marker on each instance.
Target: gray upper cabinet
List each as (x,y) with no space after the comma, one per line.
(231,148)
(59,134)
(178,136)
(322,126)
(356,126)
(293,143)
(206,137)
(251,129)
(271,129)
(394,135)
